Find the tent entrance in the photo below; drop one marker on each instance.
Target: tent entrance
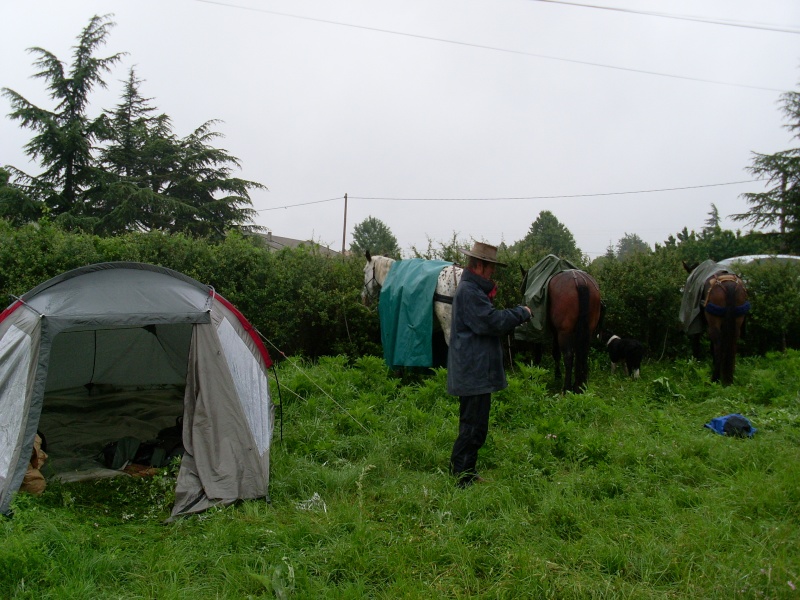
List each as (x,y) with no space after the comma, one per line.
(106,384)
(77,424)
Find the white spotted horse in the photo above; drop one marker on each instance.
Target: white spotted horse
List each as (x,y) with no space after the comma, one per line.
(376,270)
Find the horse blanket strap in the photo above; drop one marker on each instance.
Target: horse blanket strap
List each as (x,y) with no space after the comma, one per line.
(442,298)
(584,280)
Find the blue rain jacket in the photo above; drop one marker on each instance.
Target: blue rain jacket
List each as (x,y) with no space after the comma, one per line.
(475,357)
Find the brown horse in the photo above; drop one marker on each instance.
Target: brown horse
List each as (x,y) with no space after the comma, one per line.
(574,310)
(723,306)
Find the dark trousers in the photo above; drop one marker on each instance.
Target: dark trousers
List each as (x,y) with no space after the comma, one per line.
(473,425)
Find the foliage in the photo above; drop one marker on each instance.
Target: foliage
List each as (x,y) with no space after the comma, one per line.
(547,235)
(713,222)
(718,244)
(642,297)
(373,236)
(780,204)
(124,170)
(308,304)
(16,206)
(303,301)
(773,289)
(618,493)
(451,250)
(630,244)
(65,138)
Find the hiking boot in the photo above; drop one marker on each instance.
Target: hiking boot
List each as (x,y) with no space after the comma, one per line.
(471,479)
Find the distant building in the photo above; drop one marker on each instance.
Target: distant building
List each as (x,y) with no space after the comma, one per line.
(276,242)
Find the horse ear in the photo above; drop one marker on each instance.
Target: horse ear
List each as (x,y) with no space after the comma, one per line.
(368,255)
(521,270)
(689,268)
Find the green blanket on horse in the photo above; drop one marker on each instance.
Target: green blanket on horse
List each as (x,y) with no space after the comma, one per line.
(535,294)
(406,312)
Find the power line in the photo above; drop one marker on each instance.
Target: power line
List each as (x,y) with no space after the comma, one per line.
(726,22)
(485,47)
(564,196)
(302,204)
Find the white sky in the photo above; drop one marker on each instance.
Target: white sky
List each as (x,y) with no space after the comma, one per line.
(444,99)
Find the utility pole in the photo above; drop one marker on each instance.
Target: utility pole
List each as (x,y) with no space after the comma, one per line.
(344,226)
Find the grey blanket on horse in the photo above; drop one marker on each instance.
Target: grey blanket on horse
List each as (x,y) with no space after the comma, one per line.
(535,294)
(691,308)
(406,312)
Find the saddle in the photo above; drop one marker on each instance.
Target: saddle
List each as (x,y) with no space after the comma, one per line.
(714,281)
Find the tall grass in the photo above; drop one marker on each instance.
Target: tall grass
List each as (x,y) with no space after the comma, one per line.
(617,493)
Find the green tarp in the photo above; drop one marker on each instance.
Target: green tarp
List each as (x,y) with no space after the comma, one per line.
(536,295)
(406,312)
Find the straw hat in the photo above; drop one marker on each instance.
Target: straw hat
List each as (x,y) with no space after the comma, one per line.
(484,252)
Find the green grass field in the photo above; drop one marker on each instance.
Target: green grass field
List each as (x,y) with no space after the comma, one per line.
(617,493)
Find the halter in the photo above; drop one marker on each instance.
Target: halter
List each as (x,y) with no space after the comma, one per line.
(366,292)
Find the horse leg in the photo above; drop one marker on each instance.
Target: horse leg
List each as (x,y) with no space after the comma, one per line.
(715,335)
(557,357)
(444,318)
(581,340)
(568,351)
(537,353)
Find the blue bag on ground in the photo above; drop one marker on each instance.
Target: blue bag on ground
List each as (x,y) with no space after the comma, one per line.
(733,425)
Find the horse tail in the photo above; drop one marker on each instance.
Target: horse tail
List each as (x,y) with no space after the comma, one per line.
(728,335)
(582,337)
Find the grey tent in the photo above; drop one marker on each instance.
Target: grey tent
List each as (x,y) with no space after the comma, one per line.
(123,348)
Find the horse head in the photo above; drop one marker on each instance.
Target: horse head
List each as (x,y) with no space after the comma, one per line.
(689,267)
(375,272)
(371,288)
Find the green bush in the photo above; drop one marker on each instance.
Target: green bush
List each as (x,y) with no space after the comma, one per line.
(307,304)
(303,302)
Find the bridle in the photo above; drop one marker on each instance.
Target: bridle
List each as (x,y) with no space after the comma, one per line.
(366,293)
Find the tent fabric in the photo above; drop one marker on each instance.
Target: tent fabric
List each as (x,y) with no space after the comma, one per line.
(535,295)
(690,311)
(405,309)
(118,332)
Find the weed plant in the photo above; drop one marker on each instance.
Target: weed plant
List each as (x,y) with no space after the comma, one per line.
(616,493)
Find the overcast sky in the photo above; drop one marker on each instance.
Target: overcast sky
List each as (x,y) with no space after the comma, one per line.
(443,117)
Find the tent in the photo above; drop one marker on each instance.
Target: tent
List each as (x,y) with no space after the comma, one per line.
(124,348)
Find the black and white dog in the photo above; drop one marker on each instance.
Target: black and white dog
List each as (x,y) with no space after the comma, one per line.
(628,351)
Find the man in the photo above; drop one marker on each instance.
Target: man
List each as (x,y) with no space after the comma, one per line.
(475,358)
